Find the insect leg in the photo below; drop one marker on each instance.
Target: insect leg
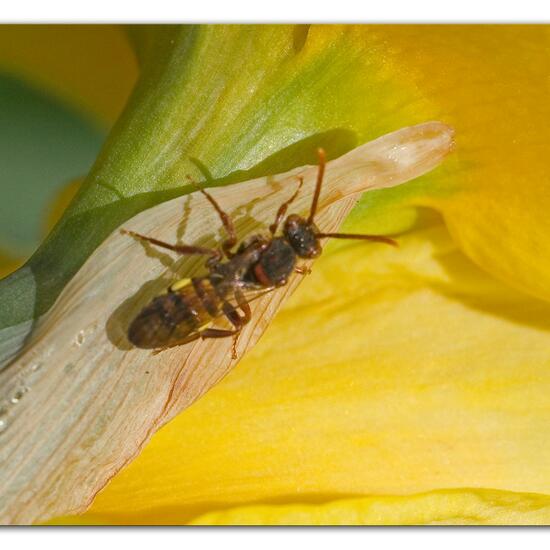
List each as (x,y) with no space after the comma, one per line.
(217,333)
(372,238)
(179,248)
(227,222)
(302,269)
(317,192)
(243,305)
(236,320)
(283,208)
(223,333)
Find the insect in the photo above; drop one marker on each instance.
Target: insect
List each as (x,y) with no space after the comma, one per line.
(260,264)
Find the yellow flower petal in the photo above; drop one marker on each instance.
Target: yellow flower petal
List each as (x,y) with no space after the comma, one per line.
(491,83)
(474,507)
(452,507)
(431,376)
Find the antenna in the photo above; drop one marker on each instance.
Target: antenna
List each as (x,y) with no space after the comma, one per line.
(320,174)
(373,238)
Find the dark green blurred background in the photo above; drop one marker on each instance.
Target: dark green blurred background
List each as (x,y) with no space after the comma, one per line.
(44,144)
(61,89)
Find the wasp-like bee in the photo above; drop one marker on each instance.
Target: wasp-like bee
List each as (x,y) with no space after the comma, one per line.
(260,264)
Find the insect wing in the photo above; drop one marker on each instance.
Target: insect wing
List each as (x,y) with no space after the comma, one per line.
(251,294)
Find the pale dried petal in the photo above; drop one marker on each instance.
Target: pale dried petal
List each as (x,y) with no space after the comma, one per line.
(79,402)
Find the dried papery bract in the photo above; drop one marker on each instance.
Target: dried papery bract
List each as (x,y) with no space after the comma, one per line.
(79,402)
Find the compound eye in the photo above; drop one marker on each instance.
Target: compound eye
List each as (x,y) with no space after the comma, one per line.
(302,237)
(314,250)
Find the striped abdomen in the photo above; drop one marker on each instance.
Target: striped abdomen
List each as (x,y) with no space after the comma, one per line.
(171,318)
